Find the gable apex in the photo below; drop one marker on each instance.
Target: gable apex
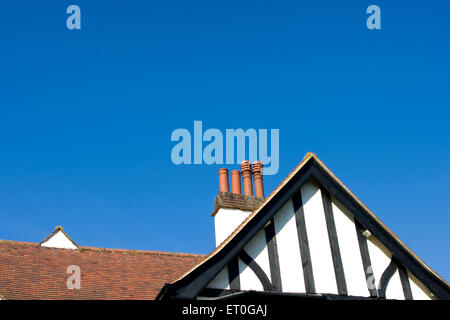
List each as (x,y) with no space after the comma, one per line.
(58,239)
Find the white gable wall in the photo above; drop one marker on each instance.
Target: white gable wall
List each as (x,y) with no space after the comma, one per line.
(58,240)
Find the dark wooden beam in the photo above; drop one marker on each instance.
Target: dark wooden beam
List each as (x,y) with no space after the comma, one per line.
(303,242)
(259,272)
(386,277)
(233,274)
(405,282)
(272,248)
(334,243)
(365,256)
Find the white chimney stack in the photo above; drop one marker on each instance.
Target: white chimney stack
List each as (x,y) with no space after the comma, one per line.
(231,209)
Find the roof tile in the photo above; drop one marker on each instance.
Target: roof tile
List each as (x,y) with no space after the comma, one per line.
(28,271)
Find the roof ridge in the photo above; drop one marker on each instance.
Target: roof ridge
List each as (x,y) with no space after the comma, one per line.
(112,250)
(24,243)
(134,251)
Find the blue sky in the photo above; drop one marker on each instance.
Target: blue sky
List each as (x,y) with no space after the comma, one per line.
(86,115)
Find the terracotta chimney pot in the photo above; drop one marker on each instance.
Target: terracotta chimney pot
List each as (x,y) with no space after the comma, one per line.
(236,181)
(246,170)
(223,180)
(258,179)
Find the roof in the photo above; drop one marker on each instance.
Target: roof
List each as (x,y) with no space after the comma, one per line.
(29,271)
(311,166)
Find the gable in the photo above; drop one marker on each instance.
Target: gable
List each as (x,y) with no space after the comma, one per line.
(331,257)
(58,239)
(312,236)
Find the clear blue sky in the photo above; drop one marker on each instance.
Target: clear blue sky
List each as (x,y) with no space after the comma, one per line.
(86,116)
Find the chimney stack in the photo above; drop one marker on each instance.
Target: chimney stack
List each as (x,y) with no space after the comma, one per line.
(246,170)
(258,179)
(236,182)
(223,180)
(230,209)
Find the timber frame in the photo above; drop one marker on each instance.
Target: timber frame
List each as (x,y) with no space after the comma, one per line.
(193,283)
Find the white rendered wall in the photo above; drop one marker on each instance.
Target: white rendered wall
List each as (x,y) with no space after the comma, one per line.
(226,221)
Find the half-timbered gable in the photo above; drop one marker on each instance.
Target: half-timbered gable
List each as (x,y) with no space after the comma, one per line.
(310,237)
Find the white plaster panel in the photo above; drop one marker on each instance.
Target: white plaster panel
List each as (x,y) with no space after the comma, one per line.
(220,281)
(257,249)
(394,289)
(291,270)
(380,257)
(418,289)
(248,279)
(319,244)
(349,249)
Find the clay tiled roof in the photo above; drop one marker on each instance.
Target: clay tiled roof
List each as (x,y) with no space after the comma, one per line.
(28,271)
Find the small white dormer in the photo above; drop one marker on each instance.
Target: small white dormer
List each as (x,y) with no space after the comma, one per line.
(58,239)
